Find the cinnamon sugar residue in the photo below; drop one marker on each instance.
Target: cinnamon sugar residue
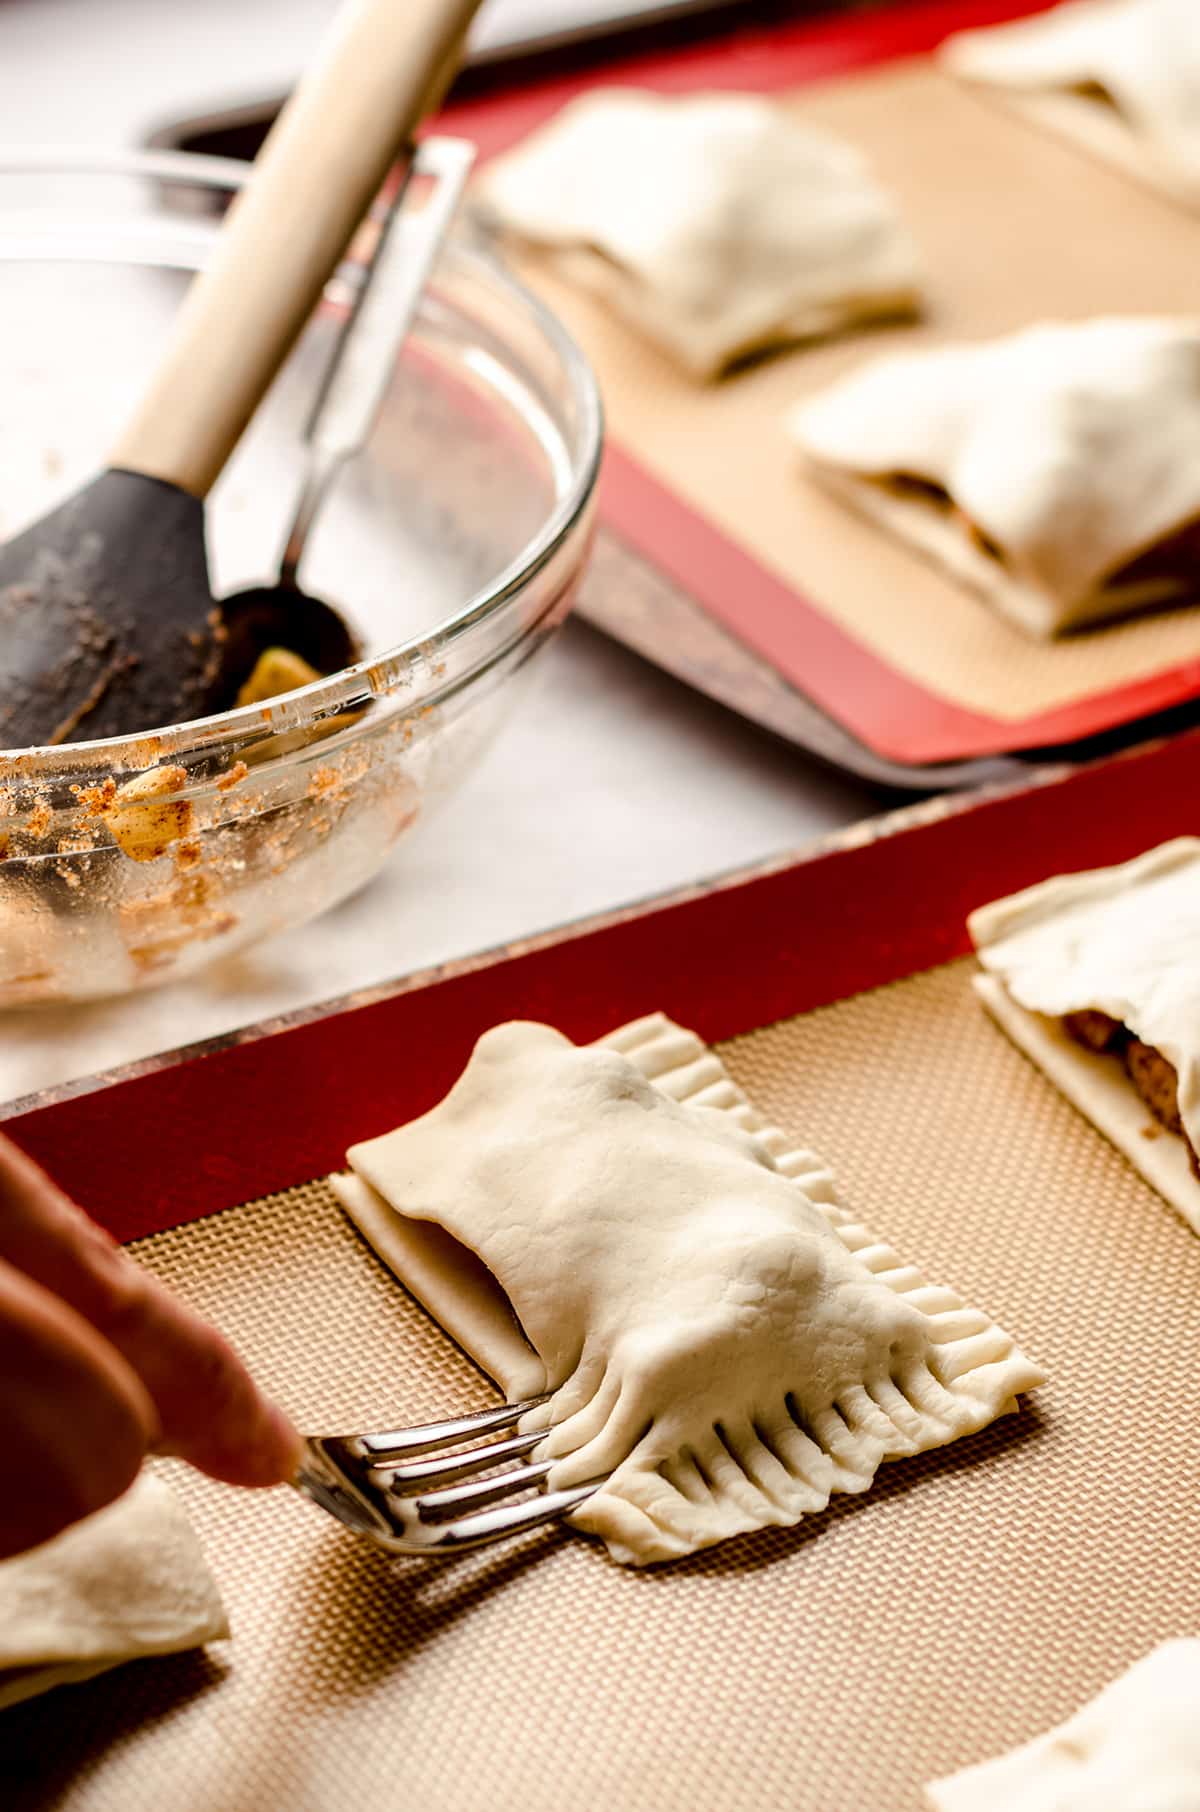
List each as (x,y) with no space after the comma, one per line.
(223,837)
(157,928)
(97,800)
(322,781)
(28,986)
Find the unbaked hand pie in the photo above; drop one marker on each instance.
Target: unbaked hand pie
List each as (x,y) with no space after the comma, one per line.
(1134,1748)
(616,1225)
(1056,471)
(1096,976)
(1119,77)
(127,1582)
(715,224)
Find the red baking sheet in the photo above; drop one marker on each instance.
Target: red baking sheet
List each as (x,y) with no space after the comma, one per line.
(279,1107)
(893,714)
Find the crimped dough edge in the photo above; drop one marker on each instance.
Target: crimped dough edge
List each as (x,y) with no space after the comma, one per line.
(974,1374)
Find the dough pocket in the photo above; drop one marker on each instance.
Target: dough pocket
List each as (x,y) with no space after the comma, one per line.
(1133,1748)
(128,1582)
(716,225)
(1096,977)
(722,1341)
(1054,471)
(1118,77)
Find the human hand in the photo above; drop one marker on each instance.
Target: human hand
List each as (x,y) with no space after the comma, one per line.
(100,1365)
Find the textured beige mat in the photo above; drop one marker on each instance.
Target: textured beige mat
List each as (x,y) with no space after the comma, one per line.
(1014,227)
(973,1597)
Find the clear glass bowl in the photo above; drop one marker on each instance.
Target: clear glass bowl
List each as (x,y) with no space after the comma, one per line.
(453,544)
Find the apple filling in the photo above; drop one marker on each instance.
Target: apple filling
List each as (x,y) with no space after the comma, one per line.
(1152,1075)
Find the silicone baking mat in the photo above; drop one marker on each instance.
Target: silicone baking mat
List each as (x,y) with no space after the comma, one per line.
(968,1600)
(1014,227)
(972,1597)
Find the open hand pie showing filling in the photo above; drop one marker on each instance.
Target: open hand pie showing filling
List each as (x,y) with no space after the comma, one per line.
(1056,470)
(1120,77)
(713,223)
(724,1344)
(1096,976)
(1134,1748)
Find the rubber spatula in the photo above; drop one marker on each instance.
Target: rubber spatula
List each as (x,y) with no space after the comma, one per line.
(107,620)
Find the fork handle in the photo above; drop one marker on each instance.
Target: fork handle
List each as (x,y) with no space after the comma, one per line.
(383,67)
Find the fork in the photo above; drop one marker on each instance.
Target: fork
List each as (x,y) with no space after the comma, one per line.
(403,1489)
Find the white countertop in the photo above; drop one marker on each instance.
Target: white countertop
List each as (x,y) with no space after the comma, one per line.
(616,784)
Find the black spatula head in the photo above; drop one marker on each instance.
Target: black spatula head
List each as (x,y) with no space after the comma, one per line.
(107,622)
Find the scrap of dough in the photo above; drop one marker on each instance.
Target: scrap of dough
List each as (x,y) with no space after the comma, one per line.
(1134,1748)
(129,1581)
(718,1334)
(1120,77)
(1074,447)
(714,223)
(1123,941)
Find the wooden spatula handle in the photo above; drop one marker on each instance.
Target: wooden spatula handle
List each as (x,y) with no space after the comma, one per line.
(384,66)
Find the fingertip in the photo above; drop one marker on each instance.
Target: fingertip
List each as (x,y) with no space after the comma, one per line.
(276,1454)
(267,1451)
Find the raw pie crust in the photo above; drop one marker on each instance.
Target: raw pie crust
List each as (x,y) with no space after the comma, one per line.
(1119,77)
(1123,942)
(617,1225)
(129,1581)
(1134,1748)
(1056,471)
(713,223)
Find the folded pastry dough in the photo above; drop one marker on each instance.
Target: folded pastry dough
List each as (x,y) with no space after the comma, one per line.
(1120,77)
(130,1581)
(1056,470)
(719,1335)
(713,223)
(1134,1748)
(1117,948)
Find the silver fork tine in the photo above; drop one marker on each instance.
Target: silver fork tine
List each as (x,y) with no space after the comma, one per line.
(487,1526)
(406,1481)
(380,1448)
(444,1506)
(352,1477)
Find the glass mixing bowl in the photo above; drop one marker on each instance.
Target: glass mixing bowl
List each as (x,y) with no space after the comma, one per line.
(453,544)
